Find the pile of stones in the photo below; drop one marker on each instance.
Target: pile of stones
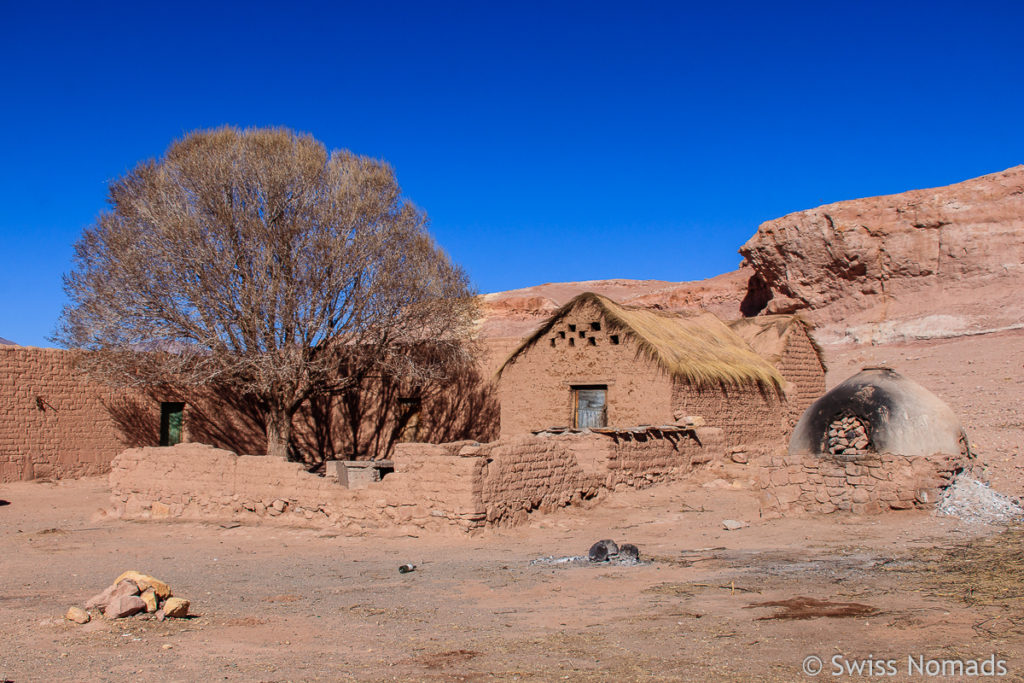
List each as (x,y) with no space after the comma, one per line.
(132,593)
(848,436)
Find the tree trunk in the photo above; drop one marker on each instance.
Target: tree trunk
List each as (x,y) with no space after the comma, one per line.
(279,432)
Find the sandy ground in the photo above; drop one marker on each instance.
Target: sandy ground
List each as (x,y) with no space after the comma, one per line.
(277,604)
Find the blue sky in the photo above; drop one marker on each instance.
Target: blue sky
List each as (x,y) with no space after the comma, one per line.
(548,141)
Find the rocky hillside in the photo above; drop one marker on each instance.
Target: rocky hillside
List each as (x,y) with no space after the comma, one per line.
(924,264)
(930,263)
(518,312)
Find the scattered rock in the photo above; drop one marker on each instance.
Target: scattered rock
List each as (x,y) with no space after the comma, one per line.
(124,606)
(733,525)
(406,568)
(176,607)
(77,615)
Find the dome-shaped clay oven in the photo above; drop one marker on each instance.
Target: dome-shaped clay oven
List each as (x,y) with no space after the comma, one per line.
(877,411)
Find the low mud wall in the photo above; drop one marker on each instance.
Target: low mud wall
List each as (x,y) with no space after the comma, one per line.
(198,482)
(460,485)
(865,484)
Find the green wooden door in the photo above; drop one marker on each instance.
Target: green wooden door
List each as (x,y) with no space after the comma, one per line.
(172,419)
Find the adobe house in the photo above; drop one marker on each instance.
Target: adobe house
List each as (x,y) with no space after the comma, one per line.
(596,363)
(785,341)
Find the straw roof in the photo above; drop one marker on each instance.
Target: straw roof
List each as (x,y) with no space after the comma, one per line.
(697,348)
(769,335)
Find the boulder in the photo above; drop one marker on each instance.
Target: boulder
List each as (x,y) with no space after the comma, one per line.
(149,597)
(124,606)
(124,588)
(144,581)
(101,600)
(176,607)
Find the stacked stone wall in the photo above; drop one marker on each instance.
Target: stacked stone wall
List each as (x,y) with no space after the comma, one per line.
(794,484)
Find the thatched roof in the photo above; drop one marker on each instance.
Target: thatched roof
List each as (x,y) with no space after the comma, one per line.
(769,335)
(697,348)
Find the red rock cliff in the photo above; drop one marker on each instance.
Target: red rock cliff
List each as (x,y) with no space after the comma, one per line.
(925,263)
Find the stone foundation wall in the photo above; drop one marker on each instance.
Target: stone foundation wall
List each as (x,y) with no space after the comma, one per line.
(460,485)
(794,484)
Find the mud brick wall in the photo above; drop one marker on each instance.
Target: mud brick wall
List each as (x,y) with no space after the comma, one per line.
(799,365)
(544,473)
(640,459)
(522,474)
(793,484)
(535,391)
(456,486)
(746,415)
(197,482)
(53,423)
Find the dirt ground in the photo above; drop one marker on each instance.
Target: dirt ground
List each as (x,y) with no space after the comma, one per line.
(275,604)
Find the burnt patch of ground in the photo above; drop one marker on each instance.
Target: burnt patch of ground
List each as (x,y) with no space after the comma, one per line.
(802,607)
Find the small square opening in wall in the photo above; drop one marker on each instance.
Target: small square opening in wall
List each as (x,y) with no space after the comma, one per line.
(614,338)
(572,342)
(583,333)
(552,341)
(561,334)
(593,341)
(596,327)
(572,328)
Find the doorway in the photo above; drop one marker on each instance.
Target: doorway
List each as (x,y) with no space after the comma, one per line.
(172,418)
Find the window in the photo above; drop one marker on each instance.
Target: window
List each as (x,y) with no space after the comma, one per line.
(593,341)
(590,406)
(596,327)
(172,419)
(614,338)
(572,328)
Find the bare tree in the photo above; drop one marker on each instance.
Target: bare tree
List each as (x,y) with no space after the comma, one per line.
(258,261)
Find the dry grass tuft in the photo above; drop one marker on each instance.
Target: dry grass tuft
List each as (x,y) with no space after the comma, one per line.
(981,572)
